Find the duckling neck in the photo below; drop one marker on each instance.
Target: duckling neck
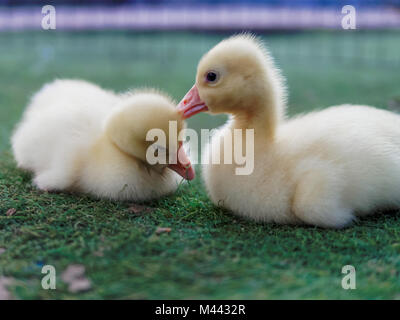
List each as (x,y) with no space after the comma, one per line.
(266,107)
(105,150)
(264,119)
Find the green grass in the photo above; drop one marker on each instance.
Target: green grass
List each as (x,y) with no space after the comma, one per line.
(209,253)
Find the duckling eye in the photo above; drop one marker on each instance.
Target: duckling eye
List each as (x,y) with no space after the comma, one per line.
(212,76)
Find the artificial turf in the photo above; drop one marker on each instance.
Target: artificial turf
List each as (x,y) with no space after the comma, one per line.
(209,253)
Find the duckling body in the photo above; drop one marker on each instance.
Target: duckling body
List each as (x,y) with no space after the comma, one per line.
(323,168)
(77,136)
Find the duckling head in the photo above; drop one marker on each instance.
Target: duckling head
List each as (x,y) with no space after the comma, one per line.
(136,117)
(237,77)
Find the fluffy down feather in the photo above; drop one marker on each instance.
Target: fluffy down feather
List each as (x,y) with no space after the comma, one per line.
(77,136)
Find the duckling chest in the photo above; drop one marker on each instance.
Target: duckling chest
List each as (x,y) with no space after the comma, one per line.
(266,191)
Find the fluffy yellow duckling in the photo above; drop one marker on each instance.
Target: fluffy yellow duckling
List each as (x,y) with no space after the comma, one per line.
(76,136)
(323,168)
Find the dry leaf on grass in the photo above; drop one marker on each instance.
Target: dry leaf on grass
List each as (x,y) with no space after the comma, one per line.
(4,293)
(72,272)
(100,251)
(163,230)
(79,285)
(11,211)
(75,277)
(139,210)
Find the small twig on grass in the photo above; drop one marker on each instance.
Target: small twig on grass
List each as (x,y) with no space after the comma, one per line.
(140,210)
(161,230)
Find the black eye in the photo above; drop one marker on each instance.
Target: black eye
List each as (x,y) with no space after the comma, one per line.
(211,76)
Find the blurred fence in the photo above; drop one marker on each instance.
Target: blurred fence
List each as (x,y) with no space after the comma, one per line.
(372,42)
(200,17)
(280,3)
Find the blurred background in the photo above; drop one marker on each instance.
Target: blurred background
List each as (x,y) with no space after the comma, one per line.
(129,43)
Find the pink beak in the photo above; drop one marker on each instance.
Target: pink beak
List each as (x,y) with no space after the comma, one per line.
(183,166)
(191,104)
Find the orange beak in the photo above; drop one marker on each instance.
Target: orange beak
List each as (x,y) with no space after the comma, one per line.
(183,166)
(191,104)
